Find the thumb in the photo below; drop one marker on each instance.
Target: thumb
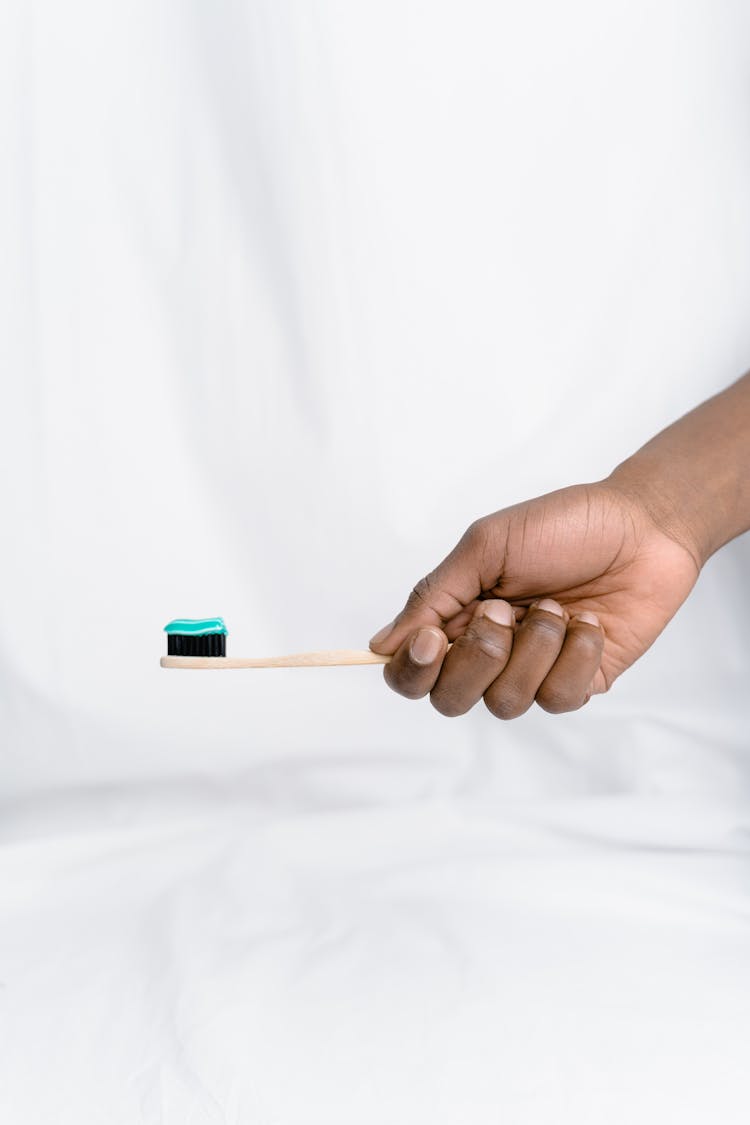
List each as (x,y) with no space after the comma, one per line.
(444,592)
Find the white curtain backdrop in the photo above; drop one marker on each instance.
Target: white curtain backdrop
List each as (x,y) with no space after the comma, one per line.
(291,293)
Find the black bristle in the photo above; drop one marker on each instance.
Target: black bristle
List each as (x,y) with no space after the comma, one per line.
(181,644)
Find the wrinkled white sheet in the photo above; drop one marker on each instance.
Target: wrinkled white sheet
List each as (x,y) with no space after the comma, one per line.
(291,294)
(241,956)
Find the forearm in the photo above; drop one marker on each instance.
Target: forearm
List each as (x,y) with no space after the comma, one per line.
(694,477)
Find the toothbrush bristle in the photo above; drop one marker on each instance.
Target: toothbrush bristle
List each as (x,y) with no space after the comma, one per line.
(212,644)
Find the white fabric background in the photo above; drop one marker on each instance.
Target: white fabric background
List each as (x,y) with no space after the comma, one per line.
(291,293)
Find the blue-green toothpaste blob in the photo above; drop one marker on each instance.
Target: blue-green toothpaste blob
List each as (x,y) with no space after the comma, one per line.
(201,636)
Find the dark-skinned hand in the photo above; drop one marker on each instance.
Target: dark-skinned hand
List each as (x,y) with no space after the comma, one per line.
(549,600)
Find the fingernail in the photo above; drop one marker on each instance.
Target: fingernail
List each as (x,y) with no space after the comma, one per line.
(550,607)
(426,646)
(382,633)
(587,618)
(498,611)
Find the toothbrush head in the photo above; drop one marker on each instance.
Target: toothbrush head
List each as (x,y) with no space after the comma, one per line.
(206,636)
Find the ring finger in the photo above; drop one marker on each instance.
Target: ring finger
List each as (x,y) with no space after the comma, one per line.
(538,641)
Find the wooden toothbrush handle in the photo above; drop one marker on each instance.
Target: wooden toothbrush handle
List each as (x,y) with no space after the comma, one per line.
(332,659)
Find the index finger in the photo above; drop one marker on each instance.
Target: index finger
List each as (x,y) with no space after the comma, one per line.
(440,595)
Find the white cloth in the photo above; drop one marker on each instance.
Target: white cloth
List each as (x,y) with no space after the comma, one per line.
(291,294)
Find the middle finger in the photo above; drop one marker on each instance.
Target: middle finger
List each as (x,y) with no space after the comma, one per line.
(475,659)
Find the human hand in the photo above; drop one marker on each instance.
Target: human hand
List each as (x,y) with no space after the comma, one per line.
(549,600)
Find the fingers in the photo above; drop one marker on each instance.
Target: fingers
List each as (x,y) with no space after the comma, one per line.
(547,657)
(442,594)
(456,679)
(566,687)
(416,665)
(554,661)
(537,644)
(475,659)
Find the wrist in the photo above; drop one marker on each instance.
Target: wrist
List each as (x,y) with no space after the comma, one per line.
(671,500)
(693,479)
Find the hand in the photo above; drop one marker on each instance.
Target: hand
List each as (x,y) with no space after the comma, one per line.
(550,600)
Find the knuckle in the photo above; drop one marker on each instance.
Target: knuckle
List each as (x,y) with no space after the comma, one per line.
(545,629)
(476,532)
(497,651)
(402,683)
(557,700)
(506,703)
(420,595)
(463,642)
(408,691)
(478,636)
(450,707)
(588,642)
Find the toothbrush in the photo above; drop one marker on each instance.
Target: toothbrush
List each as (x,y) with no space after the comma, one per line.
(202,644)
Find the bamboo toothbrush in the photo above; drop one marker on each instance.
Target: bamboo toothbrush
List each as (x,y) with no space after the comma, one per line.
(203,644)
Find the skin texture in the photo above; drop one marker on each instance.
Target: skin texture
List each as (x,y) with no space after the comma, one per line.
(552,599)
